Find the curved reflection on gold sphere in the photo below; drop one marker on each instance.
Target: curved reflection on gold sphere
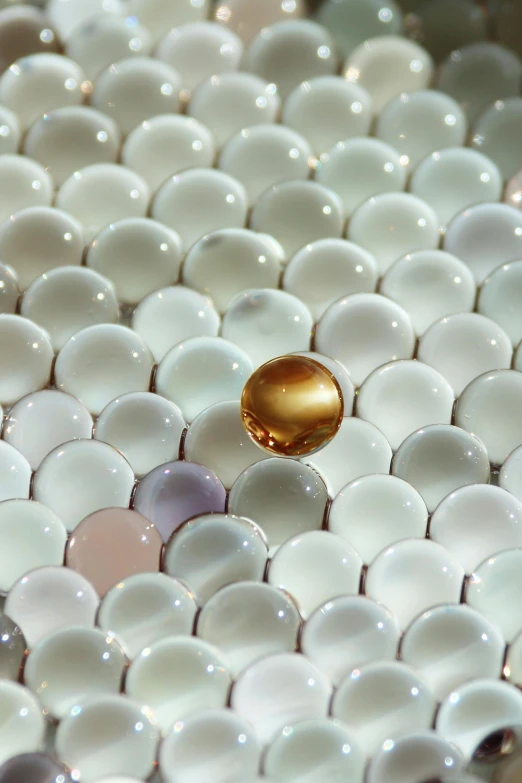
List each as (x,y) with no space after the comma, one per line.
(292,406)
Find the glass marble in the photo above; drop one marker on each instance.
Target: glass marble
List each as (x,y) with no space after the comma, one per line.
(178,678)
(227,262)
(22,724)
(33,768)
(144,608)
(10,132)
(357,169)
(112,544)
(197,202)
(249,17)
(279,422)
(118,250)
(420,756)
(264,155)
(497,132)
(70,138)
(9,290)
(228,102)
(182,374)
(71,666)
(214,550)
(37,239)
(134,89)
(160,15)
(171,494)
(351,22)
(23,31)
(247,621)
(499,296)
(12,649)
(26,357)
(144,427)
(67,299)
(24,184)
(431,460)
(66,15)
(510,477)
(493,590)
(15,473)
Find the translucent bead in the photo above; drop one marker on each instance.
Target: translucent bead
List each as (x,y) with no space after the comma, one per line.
(444,26)
(497,135)
(9,291)
(15,473)
(492,590)
(26,357)
(161,15)
(10,132)
(419,756)
(66,15)
(12,649)
(22,729)
(499,297)
(351,22)
(24,184)
(248,17)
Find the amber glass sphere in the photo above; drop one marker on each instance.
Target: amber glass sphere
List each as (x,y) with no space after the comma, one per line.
(292,406)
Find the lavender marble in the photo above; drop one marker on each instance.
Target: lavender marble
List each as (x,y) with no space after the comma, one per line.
(33,768)
(172,493)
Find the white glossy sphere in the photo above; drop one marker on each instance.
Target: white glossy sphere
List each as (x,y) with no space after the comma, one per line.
(499,297)
(71,666)
(10,132)
(65,300)
(364,331)
(198,51)
(38,239)
(40,422)
(353,21)
(326,110)
(50,598)
(118,252)
(105,40)
(485,236)
(267,323)
(290,52)
(166,144)
(32,536)
(161,15)
(71,138)
(403,396)
(134,89)
(297,213)
(22,724)
(197,202)
(217,439)
(449,645)
(247,621)
(383,701)
(15,473)
(419,756)
(144,427)
(374,512)
(123,733)
(430,284)
(81,477)
(168,316)
(349,632)
(358,169)
(477,709)
(102,362)
(358,449)
(412,576)
(480,74)
(228,102)
(207,747)
(315,751)
(420,123)
(490,408)
(9,290)
(431,460)
(183,373)
(26,357)
(228,262)
(510,477)
(248,17)
(278,691)
(264,155)
(388,66)
(67,15)
(493,590)
(144,608)
(103,193)
(497,134)
(178,677)
(476,522)
(452,180)
(513,667)
(318,272)
(282,496)
(39,83)
(214,550)
(463,346)
(341,375)
(335,564)
(391,225)
(24,184)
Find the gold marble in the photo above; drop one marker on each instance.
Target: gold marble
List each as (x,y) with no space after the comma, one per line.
(292,406)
